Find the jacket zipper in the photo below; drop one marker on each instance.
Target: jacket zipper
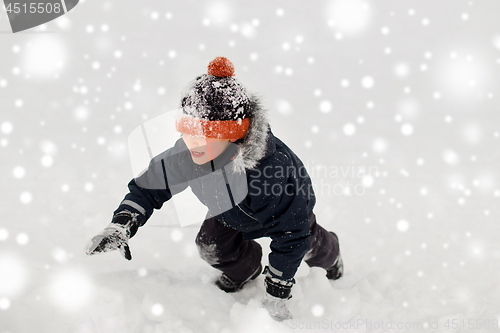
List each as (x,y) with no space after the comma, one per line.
(250,216)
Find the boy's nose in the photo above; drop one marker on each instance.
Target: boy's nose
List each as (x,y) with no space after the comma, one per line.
(194,141)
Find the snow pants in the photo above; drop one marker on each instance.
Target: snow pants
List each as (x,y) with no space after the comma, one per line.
(225,249)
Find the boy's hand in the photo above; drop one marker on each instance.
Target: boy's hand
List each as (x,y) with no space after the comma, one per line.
(113,237)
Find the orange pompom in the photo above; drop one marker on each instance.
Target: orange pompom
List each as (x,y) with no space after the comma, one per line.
(221,67)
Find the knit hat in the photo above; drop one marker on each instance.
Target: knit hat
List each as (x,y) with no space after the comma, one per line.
(216,105)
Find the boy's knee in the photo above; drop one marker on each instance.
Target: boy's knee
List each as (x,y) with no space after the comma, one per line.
(207,248)
(202,239)
(207,230)
(208,252)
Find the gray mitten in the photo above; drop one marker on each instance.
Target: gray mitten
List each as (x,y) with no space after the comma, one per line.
(115,236)
(278,292)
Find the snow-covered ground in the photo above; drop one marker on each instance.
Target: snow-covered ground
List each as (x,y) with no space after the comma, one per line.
(406,91)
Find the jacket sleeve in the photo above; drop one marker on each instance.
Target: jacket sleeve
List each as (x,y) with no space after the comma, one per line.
(280,205)
(153,187)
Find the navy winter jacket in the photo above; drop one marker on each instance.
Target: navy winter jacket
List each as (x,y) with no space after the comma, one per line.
(278,203)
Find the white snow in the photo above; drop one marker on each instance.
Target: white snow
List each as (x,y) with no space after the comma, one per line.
(44,56)
(22,239)
(26,197)
(284,107)
(407,129)
(348,84)
(367,82)
(349,16)
(19,172)
(4,234)
(4,303)
(349,129)
(325,106)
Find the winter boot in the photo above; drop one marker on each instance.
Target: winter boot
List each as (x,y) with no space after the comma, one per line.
(337,269)
(229,286)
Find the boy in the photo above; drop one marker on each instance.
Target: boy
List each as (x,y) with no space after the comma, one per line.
(222,124)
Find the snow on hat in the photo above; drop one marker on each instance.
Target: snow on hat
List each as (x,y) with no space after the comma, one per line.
(216,105)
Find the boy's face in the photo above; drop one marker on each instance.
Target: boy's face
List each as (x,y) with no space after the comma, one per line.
(205,149)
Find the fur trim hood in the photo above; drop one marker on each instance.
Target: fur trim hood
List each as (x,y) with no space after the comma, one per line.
(254,146)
